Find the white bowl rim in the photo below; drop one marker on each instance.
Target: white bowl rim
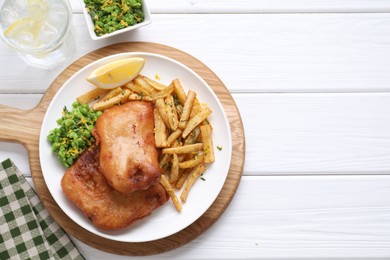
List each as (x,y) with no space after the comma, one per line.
(89,22)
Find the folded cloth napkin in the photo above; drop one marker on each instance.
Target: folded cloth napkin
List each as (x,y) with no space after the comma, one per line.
(26,229)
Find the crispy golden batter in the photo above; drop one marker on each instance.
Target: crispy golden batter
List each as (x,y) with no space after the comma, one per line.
(108,209)
(128,156)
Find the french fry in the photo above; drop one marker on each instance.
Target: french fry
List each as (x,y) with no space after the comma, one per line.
(195,174)
(153,97)
(165,183)
(135,88)
(170,110)
(112,93)
(135,97)
(91,95)
(179,91)
(155,84)
(207,141)
(161,94)
(161,108)
(118,99)
(172,137)
(160,130)
(177,143)
(196,120)
(187,109)
(182,178)
(183,149)
(124,95)
(192,137)
(165,163)
(192,162)
(179,109)
(174,169)
(140,82)
(182,157)
(196,108)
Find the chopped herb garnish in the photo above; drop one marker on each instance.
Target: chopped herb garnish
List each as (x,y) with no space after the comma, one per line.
(176,100)
(64,110)
(203,179)
(219,147)
(179,108)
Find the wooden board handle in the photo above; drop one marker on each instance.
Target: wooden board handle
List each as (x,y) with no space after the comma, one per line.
(31,121)
(21,126)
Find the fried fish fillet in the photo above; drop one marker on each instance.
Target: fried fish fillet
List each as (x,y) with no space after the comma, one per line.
(108,209)
(128,156)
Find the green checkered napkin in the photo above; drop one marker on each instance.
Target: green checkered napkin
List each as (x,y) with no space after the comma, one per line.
(26,229)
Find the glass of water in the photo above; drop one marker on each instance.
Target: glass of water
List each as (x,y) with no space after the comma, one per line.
(39,30)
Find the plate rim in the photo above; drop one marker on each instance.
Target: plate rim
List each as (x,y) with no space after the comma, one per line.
(181,238)
(98,62)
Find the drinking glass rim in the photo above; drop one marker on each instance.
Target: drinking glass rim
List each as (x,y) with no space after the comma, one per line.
(53,45)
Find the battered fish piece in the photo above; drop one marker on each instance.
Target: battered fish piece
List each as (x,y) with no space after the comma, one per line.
(108,209)
(128,156)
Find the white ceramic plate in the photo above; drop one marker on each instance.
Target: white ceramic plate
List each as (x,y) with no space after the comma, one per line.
(165,220)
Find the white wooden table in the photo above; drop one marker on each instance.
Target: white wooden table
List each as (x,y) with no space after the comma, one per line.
(312,81)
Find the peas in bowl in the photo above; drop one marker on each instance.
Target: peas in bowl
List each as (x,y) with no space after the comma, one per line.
(107,18)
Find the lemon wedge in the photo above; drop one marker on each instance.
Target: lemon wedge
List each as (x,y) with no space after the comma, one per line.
(116,73)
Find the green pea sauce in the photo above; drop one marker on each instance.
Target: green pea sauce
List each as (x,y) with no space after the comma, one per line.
(111,15)
(74,133)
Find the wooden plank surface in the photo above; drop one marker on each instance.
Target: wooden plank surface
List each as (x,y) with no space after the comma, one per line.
(278,57)
(24,126)
(260,6)
(334,217)
(276,53)
(295,134)
(338,133)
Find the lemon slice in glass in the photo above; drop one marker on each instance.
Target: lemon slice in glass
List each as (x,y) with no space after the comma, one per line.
(31,25)
(116,73)
(17,26)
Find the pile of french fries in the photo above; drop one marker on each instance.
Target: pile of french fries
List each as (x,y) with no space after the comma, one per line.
(182,131)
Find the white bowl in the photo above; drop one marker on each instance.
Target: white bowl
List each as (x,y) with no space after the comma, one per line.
(88,19)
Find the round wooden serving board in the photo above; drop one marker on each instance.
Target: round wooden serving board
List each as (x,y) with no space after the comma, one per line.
(23,126)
